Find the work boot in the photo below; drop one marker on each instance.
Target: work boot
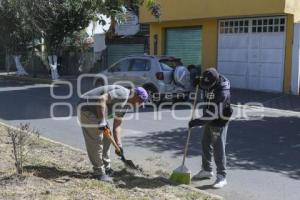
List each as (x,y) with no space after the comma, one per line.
(203,175)
(110,172)
(220,182)
(104,178)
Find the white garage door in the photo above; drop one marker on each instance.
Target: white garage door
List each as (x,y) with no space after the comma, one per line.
(251,52)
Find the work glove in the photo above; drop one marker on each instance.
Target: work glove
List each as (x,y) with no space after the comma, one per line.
(121,153)
(196,122)
(197,80)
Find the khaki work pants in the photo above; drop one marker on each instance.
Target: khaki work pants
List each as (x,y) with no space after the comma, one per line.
(98,146)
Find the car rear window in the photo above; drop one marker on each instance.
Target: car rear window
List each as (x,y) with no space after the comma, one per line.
(170,64)
(121,66)
(139,65)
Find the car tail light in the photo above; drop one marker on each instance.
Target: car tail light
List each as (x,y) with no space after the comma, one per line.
(160,76)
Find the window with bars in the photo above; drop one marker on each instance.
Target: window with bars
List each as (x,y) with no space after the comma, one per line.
(145,29)
(268,25)
(234,26)
(257,25)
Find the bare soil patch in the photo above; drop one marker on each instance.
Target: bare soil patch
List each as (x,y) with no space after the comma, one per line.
(55,171)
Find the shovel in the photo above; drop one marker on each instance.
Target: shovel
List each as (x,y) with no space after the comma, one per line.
(128,163)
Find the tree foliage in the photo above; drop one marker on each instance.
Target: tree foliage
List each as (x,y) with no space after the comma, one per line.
(57,19)
(15,32)
(54,20)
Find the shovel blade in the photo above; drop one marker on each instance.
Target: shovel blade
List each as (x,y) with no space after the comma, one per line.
(129,163)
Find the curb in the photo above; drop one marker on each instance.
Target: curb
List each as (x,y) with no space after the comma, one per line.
(25,78)
(287,112)
(45,138)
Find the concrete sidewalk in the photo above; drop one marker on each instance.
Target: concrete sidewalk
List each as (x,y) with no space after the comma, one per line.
(42,79)
(269,100)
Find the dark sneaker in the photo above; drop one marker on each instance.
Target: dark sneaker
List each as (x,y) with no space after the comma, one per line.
(203,175)
(110,172)
(104,178)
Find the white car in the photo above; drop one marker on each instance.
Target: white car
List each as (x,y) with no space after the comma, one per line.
(164,77)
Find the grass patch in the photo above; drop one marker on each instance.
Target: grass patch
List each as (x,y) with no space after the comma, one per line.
(54,171)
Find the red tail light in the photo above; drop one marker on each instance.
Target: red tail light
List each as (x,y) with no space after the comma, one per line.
(160,76)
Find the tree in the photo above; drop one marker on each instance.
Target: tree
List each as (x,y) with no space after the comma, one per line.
(15,32)
(22,21)
(114,9)
(57,19)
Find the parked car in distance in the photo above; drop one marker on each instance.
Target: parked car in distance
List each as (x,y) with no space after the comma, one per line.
(164,77)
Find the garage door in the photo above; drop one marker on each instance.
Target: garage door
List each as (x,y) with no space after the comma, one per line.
(251,52)
(184,43)
(117,51)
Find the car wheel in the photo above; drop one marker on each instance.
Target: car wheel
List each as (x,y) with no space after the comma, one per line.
(98,83)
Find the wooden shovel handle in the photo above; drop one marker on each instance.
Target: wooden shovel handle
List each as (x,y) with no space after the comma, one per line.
(107,134)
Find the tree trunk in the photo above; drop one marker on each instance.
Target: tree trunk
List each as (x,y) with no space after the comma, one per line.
(20,69)
(7,63)
(53,67)
(111,33)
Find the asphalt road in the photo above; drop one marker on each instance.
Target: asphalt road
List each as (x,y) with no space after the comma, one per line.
(263,154)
